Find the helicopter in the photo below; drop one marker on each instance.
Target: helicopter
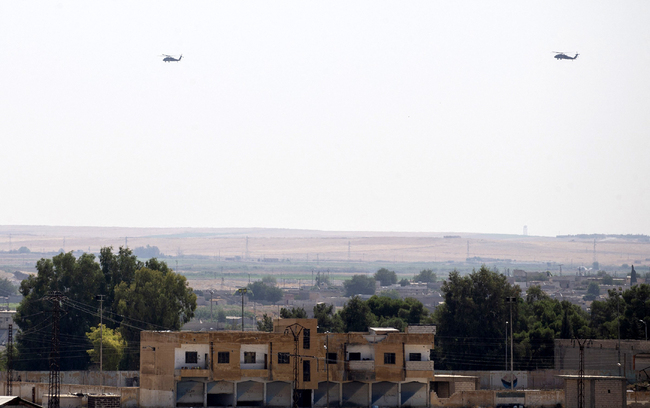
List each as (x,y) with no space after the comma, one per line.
(561,55)
(169,58)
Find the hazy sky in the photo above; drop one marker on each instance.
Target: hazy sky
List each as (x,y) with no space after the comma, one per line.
(335,115)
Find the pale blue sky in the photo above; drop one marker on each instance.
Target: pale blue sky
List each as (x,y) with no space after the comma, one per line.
(373,115)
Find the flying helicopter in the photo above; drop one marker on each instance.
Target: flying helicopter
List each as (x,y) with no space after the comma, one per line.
(561,55)
(169,58)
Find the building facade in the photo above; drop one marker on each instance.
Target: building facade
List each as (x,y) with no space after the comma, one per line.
(382,367)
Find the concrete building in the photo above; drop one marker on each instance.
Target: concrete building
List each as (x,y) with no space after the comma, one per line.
(222,369)
(599,391)
(632,360)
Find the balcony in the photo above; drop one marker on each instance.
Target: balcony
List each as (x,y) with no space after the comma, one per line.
(419,365)
(254,373)
(360,370)
(361,365)
(192,372)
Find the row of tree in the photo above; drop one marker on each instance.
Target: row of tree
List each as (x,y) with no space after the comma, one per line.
(476,317)
(357,315)
(134,295)
(366,285)
(474,320)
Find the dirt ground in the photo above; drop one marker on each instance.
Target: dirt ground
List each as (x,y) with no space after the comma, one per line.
(331,246)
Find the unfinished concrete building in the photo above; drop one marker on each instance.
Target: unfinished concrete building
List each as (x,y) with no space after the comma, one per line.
(226,369)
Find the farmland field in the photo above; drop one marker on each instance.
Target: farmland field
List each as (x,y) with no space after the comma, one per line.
(215,258)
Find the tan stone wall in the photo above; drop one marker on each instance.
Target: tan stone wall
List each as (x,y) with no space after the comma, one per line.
(129,396)
(533,399)
(609,394)
(160,372)
(462,385)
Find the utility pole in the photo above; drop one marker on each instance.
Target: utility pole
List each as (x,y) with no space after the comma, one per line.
(211,297)
(646,329)
(295,330)
(511,300)
(581,374)
(54,385)
(10,355)
(101,338)
(618,324)
(327,365)
(506,345)
(242,291)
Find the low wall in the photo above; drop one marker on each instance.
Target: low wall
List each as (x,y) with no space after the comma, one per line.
(35,392)
(529,380)
(109,378)
(484,398)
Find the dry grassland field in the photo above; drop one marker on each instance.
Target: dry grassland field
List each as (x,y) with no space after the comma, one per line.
(211,254)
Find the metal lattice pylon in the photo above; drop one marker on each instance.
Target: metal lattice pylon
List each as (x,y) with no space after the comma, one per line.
(581,374)
(54,388)
(295,330)
(10,355)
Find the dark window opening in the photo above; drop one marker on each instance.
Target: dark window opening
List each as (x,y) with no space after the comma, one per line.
(283,358)
(331,358)
(191,357)
(415,357)
(249,357)
(306,370)
(305,339)
(223,357)
(389,358)
(354,356)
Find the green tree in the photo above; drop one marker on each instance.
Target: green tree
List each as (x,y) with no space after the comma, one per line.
(386,277)
(111,343)
(322,279)
(425,275)
(633,276)
(7,288)
(593,291)
(535,294)
(475,309)
(79,279)
(356,316)
(359,285)
(636,302)
(327,320)
(607,279)
(266,324)
(155,299)
(293,313)
(404,282)
(542,320)
(4,356)
(270,280)
(117,268)
(261,292)
(221,316)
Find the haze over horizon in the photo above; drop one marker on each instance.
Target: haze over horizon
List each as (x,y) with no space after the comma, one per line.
(337,116)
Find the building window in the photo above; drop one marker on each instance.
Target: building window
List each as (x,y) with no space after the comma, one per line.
(249,357)
(415,357)
(191,357)
(223,357)
(331,358)
(283,358)
(305,338)
(354,356)
(306,370)
(389,358)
